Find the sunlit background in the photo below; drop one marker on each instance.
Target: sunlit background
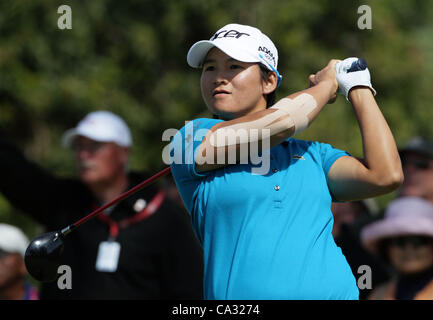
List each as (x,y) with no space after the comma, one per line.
(129,57)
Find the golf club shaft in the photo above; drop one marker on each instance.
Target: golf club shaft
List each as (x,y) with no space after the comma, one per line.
(143,184)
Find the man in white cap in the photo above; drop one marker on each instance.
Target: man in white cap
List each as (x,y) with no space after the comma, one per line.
(13,284)
(142,248)
(101,142)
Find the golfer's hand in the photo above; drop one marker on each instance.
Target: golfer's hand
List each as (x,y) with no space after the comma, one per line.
(328,75)
(349,80)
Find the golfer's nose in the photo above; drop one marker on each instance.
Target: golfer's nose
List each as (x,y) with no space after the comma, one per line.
(220,78)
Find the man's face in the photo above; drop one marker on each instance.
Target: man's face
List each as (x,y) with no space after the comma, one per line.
(418,176)
(12,269)
(99,162)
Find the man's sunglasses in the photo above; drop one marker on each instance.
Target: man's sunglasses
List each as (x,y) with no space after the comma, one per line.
(421,164)
(415,241)
(91,147)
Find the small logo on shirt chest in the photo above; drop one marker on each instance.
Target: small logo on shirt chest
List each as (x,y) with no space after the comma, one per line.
(295,156)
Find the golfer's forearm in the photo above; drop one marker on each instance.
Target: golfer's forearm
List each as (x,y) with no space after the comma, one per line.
(313,99)
(230,142)
(264,129)
(380,151)
(321,94)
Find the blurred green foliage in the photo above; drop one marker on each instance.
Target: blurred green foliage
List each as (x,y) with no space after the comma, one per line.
(130,57)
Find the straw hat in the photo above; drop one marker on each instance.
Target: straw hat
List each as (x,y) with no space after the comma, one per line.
(403,216)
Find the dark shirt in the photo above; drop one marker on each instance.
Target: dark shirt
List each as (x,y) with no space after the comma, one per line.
(160,257)
(409,285)
(356,255)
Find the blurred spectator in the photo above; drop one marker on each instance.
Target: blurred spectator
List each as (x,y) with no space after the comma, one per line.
(417,160)
(160,257)
(404,239)
(351,212)
(13,283)
(349,218)
(172,193)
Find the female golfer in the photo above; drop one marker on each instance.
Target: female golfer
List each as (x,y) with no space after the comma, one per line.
(266,232)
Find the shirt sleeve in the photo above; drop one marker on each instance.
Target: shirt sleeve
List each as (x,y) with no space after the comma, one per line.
(329,155)
(183,152)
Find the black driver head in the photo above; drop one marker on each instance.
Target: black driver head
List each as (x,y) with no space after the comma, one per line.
(42,257)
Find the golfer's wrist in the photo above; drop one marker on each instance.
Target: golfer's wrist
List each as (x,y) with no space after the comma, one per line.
(360,94)
(329,87)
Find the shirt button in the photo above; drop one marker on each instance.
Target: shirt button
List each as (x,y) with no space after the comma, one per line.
(277,187)
(275,170)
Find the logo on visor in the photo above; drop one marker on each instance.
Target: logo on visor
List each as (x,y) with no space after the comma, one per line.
(268,53)
(228,34)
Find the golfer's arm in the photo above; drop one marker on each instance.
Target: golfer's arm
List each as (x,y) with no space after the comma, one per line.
(379,171)
(278,121)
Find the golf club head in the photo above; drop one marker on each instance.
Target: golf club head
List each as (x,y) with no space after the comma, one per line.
(42,257)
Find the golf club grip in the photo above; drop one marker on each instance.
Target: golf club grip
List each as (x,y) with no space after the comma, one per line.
(119,198)
(358,65)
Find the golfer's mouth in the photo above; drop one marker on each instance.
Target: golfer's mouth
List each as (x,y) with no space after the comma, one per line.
(220,93)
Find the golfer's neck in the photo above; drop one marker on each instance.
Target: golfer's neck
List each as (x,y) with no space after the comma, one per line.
(109,190)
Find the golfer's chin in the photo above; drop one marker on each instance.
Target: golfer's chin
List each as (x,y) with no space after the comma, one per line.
(224,112)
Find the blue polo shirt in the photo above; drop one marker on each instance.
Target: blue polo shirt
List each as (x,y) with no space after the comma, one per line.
(264,236)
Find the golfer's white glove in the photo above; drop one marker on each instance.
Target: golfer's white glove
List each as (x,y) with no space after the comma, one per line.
(348,80)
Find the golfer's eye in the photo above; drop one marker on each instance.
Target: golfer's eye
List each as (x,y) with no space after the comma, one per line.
(235,66)
(209,68)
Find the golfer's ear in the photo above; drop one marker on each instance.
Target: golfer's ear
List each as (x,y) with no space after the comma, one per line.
(270,84)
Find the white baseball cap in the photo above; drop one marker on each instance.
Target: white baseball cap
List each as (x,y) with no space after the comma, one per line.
(240,42)
(12,239)
(102,126)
